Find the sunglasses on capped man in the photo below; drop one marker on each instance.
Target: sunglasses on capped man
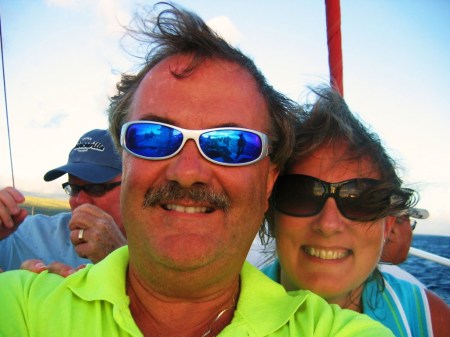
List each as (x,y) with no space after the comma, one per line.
(227,146)
(93,190)
(303,196)
(407,220)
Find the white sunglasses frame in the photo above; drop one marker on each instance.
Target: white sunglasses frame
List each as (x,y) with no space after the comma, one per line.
(195,136)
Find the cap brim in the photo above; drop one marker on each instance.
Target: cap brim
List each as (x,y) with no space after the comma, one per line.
(418,213)
(88,172)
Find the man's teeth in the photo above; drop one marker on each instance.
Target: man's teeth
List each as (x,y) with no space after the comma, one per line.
(326,254)
(186,209)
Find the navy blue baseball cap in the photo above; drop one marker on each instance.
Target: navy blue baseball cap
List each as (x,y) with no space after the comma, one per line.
(93,159)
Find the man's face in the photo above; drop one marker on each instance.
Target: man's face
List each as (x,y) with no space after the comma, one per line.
(109,202)
(399,240)
(183,234)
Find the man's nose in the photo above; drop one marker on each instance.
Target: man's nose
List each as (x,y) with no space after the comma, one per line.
(189,167)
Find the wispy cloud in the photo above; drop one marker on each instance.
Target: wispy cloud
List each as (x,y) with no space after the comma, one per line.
(226,28)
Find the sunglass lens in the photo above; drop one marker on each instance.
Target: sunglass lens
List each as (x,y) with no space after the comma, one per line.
(71,190)
(298,195)
(353,201)
(231,146)
(95,190)
(153,140)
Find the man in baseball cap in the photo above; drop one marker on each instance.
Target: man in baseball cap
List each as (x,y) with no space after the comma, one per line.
(87,234)
(397,244)
(93,159)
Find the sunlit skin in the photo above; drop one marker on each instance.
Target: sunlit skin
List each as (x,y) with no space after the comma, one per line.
(199,252)
(349,250)
(398,242)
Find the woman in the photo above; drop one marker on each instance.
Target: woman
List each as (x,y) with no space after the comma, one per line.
(330,214)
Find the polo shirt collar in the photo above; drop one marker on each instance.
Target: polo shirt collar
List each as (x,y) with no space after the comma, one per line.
(260,298)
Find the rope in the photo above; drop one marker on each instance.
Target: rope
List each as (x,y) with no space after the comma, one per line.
(6,103)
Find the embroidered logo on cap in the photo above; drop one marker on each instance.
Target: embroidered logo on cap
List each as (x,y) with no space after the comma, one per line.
(87,143)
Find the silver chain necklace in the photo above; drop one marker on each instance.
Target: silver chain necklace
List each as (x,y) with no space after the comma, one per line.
(233,306)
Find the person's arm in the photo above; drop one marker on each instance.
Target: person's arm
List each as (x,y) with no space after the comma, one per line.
(440,315)
(11,215)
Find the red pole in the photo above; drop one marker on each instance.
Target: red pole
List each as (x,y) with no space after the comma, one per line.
(333,16)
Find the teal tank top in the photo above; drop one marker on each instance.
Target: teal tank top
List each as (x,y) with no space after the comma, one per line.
(401,306)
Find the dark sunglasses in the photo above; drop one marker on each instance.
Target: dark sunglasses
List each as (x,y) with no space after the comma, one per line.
(94,190)
(302,196)
(224,146)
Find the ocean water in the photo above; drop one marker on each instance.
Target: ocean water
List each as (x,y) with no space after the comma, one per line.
(434,275)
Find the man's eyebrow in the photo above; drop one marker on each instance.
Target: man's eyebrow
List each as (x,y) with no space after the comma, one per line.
(230,125)
(156,118)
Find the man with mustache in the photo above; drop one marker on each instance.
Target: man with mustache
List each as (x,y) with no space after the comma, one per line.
(190,206)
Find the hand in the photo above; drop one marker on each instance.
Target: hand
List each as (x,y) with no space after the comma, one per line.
(11,215)
(37,266)
(99,236)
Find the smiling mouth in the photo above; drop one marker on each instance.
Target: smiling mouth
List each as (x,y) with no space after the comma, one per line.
(326,254)
(187,209)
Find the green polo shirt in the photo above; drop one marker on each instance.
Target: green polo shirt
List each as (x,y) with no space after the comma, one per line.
(93,302)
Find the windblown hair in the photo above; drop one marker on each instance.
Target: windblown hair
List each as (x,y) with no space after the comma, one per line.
(329,121)
(178,31)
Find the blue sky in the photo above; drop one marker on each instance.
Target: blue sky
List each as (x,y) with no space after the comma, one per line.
(63,58)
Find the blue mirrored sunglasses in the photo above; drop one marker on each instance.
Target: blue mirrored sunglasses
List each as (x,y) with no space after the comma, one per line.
(224,146)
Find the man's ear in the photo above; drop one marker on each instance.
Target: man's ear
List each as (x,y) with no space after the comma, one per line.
(390,228)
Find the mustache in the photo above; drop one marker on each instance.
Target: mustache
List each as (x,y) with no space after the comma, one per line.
(172,191)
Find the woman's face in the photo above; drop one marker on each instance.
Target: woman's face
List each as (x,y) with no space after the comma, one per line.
(328,253)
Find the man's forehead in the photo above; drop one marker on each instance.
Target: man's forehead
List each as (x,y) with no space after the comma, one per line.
(178,69)
(76,180)
(215,87)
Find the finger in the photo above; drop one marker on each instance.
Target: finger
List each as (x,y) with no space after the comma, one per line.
(81,235)
(10,212)
(10,221)
(81,266)
(60,269)
(34,265)
(19,218)
(78,236)
(85,216)
(10,198)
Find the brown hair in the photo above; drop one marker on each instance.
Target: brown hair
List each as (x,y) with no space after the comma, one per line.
(177,31)
(329,120)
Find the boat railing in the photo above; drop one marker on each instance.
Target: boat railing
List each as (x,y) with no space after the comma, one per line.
(429,256)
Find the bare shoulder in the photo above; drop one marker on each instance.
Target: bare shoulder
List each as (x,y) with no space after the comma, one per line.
(440,314)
